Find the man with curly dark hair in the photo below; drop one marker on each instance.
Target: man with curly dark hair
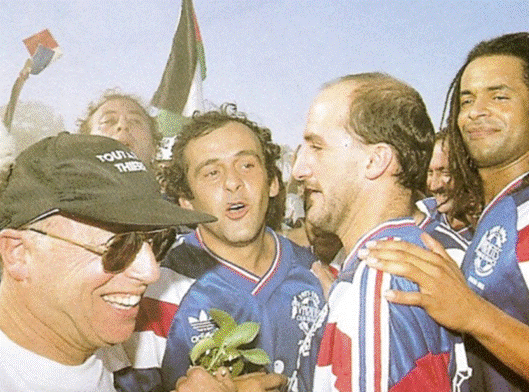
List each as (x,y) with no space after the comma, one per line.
(225,164)
(175,174)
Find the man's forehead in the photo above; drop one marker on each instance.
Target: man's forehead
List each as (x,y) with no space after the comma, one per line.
(340,94)
(330,109)
(236,140)
(441,146)
(116,104)
(59,222)
(439,156)
(497,72)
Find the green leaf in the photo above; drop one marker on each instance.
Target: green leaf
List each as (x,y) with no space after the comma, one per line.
(219,336)
(225,322)
(237,367)
(242,334)
(256,355)
(200,348)
(221,318)
(232,353)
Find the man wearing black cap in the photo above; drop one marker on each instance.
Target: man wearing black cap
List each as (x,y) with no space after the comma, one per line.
(82,228)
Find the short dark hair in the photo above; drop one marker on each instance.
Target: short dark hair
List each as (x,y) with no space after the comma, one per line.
(386,110)
(84,124)
(202,124)
(468,186)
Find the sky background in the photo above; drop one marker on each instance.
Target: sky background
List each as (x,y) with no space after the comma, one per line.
(268,56)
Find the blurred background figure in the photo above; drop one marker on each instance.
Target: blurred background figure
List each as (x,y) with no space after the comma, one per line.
(440,186)
(326,246)
(439,180)
(122,117)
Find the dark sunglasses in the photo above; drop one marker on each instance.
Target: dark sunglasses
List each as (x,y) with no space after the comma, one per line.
(121,249)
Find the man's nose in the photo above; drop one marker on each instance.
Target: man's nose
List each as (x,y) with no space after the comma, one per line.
(479,108)
(301,170)
(122,133)
(144,268)
(435,183)
(232,179)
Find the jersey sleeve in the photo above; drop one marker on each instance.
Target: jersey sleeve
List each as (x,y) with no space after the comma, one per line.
(522,245)
(372,345)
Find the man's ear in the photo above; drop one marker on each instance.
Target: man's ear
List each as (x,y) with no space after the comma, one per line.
(185,203)
(13,254)
(381,156)
(274,187)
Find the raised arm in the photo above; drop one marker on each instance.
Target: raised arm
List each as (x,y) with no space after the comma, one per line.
(15,93)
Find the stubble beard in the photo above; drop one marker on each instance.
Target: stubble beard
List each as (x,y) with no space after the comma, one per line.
(327,219)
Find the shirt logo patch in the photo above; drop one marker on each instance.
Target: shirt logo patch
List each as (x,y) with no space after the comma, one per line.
(306,311)
(488,250)
(203,324)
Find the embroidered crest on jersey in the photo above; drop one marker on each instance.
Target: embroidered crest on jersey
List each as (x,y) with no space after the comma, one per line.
(202,324)
(306,311)
(488,250)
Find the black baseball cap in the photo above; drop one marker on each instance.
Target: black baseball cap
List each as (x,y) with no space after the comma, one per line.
(90,177)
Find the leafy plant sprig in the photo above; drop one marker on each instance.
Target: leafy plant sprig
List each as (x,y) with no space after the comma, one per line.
(222,349)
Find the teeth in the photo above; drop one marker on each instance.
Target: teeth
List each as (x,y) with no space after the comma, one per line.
(122,301)
(236,206)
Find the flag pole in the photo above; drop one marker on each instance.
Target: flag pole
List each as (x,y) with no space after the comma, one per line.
(15,93)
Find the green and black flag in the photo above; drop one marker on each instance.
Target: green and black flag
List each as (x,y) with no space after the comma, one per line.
(180,91)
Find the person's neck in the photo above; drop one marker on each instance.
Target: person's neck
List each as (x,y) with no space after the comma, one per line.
(24,328)
(495,179)
(255,256)
(376,208)
(455,223)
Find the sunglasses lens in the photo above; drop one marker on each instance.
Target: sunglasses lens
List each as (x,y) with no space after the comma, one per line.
(122,250)
(161,243)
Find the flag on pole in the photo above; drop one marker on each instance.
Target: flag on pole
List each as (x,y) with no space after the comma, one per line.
(43,50)
(180,91)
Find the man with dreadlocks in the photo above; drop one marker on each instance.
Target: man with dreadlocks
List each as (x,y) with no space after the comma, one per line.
(488,127)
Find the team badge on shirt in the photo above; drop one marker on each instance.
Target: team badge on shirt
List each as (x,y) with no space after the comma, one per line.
(488,250)
(306,311)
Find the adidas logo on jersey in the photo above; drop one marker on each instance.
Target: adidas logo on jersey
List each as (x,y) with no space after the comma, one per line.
(202,324)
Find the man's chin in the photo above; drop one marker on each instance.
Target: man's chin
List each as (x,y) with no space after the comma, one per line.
(445,206)
(321,222)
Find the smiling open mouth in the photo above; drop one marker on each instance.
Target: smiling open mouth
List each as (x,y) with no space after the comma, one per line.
(122,301)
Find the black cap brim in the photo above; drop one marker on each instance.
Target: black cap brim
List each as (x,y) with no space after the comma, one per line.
(138,214)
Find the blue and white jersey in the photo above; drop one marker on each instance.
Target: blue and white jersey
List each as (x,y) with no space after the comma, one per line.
(453,241)
(496,267)
(287,302)
(429,207)
(372,345)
